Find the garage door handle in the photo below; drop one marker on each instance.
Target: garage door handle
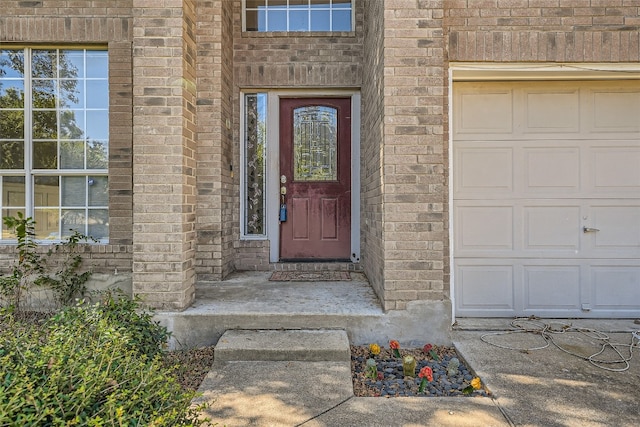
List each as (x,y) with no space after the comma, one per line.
(589,229)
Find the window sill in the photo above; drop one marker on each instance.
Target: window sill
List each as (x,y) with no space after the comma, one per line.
(316,34)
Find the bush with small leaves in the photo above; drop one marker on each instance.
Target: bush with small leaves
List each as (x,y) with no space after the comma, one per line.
(125,315)
(59,268)
(84,367)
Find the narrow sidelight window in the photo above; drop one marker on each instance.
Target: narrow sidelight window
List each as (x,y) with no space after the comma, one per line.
(255,138)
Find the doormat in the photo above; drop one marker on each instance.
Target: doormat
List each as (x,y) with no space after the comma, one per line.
(310,276)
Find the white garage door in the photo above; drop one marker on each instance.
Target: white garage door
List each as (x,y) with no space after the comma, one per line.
(546,182)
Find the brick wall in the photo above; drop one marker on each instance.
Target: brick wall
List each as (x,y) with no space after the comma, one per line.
(372,146)
(120,143)
(253,255)
(543,30)
(106,259)
(318,60)
(109,24)
(414,196)
(164,151)
(215,140)
(67,9)
(230,158)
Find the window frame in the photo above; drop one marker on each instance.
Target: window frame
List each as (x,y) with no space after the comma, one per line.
(31,174)
(287,8)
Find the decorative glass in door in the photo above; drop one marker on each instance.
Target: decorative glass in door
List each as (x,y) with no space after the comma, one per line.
(315,143)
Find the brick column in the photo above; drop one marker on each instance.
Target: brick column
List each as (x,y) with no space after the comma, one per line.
(164,57)
(218,191)
(415,153)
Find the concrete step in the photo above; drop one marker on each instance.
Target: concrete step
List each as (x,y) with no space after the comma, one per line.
(249,300)
(283,345)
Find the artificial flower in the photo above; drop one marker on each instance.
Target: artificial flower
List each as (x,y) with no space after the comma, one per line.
(476,383)
(409,366)
(395,346)
(374,349)
(372,369)
(426,373)
(428,348)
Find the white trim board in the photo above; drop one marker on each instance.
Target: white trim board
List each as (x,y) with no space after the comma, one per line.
(488,71)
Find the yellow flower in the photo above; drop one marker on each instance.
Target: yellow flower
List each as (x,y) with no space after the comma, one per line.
(476,383)
(374,349)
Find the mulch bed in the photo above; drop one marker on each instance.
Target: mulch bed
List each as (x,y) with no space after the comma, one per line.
(391,381)
(191,366)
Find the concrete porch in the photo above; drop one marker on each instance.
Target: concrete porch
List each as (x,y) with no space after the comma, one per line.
(248,300)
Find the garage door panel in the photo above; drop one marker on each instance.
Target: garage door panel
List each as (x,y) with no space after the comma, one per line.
(615,288)
(484,228)
(618,230)
(485,287)
(552,169)
(477,119)
(486,170)
(552,228)
(551,111)
(614,110)
(551,287)
(616,168)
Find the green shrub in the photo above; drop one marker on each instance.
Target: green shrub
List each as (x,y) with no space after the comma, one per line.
(124,314)
(57,269)
(83,368)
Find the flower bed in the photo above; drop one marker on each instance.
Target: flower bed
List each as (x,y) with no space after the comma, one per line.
(387,379)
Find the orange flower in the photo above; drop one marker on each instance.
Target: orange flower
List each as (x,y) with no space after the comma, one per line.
(427,373)
(395,346)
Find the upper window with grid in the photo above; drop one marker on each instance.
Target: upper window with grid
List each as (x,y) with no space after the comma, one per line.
(298,15)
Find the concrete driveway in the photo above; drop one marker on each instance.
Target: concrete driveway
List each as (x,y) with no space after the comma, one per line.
(548,386)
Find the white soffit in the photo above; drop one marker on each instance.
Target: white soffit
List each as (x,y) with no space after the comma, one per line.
(484,71)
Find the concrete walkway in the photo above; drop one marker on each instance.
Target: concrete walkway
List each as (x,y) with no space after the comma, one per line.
(258,381)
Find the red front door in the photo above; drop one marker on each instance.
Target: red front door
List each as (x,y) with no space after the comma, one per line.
(315,170)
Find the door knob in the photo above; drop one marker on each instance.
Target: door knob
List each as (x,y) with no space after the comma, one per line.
(589,229)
